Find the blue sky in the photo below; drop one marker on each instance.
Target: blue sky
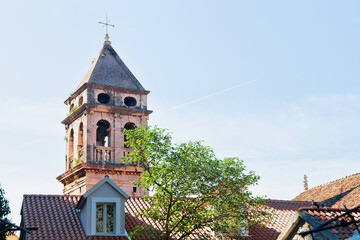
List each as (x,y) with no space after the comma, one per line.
(297,111)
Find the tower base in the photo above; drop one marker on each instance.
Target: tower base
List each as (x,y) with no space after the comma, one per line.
(84,176)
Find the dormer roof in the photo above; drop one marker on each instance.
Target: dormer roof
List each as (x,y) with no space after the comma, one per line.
(105,180)
(108,69)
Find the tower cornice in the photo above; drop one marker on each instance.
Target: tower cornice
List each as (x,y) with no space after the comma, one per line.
(80,170)
(104,108)
(103,87)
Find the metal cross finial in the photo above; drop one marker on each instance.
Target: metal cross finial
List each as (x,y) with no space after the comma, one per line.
(107,25)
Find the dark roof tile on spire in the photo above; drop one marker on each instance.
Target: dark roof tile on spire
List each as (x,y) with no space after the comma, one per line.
(108,69)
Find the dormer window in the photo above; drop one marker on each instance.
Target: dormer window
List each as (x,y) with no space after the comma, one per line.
(102,209)
(105,214)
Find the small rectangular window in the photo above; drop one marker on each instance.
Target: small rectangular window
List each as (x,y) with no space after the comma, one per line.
(99,218)
(109,218)
(105,214)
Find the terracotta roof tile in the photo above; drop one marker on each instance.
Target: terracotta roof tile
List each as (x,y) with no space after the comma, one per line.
(283,211)
(56,218)
(54,215)
(108,238)
(133,206)
(324,214)
(344,191)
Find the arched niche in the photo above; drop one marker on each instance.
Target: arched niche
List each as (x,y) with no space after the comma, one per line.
(128,126)
(70,156)
(80,141)
(103,133)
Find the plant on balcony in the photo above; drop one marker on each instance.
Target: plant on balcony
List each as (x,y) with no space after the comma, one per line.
(75,162)
(73,109)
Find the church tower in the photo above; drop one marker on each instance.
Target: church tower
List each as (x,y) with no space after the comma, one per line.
(108,100)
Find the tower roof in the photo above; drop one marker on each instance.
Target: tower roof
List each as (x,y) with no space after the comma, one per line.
(108,69)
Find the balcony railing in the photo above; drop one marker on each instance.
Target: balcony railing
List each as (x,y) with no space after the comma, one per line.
(80,152)
(104,154)
(126,151)
(70,161)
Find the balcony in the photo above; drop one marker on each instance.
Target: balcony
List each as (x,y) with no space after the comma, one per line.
(104,155)
(126,151)
(70,161)
(81,153)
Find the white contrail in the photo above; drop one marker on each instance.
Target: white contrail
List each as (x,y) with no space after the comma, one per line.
(208,96)
(29,143)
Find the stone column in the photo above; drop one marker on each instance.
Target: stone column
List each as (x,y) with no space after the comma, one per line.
(144,120)
(85,137)
(92,143)
(117,137)
(112,135)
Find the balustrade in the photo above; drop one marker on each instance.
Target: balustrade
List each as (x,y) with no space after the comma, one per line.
(70,161)
(80,152)
(126,151)
(104,154)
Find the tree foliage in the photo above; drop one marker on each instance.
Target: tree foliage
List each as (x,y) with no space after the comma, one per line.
(4,211)
(193,190)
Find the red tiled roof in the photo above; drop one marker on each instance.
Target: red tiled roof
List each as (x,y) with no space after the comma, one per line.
(133,205)
(108,238)
(56,218)
(282,211)
(344,191)
(324,214)
(54,215)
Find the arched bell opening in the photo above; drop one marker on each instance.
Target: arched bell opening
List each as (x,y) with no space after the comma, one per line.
(103,133)
(71,148)
(81,101)
(80,145)
(128,126)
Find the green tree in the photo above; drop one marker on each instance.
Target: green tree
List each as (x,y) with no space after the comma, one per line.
(4,211)
(193,189)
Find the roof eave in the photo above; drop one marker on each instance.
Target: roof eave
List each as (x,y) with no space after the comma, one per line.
(105,87)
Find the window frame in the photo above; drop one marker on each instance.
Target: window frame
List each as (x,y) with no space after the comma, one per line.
(104,213)
(116,202)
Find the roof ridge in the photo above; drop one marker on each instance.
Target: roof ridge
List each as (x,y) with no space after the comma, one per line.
(280,200)
(325,209)
(135,197)
(327,183)
(50,195)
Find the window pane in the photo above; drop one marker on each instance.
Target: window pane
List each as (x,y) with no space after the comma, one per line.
(99,218)
(110,218)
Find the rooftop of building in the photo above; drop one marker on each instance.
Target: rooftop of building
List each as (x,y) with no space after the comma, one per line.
(56,218)
(108,69)
(339,193)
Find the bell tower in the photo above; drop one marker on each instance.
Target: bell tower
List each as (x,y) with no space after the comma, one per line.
(108,100)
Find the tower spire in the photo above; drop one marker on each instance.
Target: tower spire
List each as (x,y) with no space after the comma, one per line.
(106,24)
